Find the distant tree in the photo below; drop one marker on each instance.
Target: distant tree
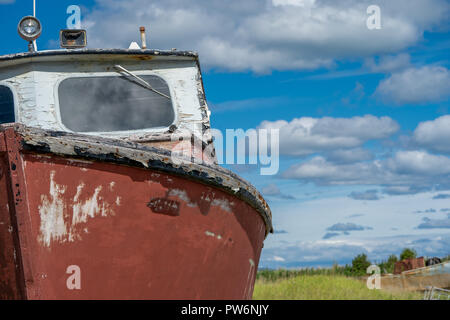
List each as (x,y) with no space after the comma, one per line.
(360,265)
(408,254)
(335,268)
(392,259)
(390,263)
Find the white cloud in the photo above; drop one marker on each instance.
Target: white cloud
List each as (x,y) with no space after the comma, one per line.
(434,135)
(388,63)
(393,221)
(273,190)
(435,223)
(279,259)
(347,227)
(316,253)
(407,172)
(342,161)
(350,155)
(326,252)
(321,171)
(369,195)
(299,3)
(330,235)
(442,196)
(419,162)
(400,190)
(416,85)
(256,103)
(264,35)
(305,136)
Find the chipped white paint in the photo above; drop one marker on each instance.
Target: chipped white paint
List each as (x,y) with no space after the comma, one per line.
(56,224)
(213,235)
(78,194)
(206,196)
(224,204)
(210,234)
(111,186)
(236,190)
(118,201)
(51,210)
(181,194)
(82,210)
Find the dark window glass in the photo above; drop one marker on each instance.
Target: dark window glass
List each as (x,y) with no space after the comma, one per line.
(6,105)
(105,104)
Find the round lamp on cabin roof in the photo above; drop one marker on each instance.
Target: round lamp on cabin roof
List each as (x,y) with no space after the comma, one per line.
(29,28)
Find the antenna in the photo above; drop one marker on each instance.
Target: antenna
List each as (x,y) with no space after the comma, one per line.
(34,15)
(143,38)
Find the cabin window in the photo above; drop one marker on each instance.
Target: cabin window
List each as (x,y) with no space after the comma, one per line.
(107,104)
(6,105)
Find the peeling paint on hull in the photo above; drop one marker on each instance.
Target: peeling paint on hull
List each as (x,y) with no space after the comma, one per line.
(66,211)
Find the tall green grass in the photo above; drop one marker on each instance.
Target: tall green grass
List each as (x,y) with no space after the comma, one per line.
(324,287)
(273,275)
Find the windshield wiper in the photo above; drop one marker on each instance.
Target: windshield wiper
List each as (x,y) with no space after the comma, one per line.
(141,81)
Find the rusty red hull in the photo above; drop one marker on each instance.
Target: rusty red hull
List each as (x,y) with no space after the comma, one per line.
(134,233)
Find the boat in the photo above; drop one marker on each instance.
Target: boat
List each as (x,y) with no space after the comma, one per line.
(94,203)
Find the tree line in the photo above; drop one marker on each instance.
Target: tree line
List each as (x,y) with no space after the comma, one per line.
(357,268)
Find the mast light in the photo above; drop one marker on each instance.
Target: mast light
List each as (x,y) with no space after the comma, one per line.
(29,29)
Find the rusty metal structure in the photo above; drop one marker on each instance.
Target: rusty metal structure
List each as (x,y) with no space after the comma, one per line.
(409,264)
(114,203)
(419,279)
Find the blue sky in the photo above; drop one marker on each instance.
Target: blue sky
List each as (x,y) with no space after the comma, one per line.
(365,130)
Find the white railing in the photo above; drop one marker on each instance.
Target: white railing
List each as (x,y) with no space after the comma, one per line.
(433,293)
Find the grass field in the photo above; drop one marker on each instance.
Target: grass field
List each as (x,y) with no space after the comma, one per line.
(324,287)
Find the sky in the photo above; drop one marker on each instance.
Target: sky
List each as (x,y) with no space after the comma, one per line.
(363,113)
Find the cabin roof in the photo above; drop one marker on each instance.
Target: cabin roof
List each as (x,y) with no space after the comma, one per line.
(62,55)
